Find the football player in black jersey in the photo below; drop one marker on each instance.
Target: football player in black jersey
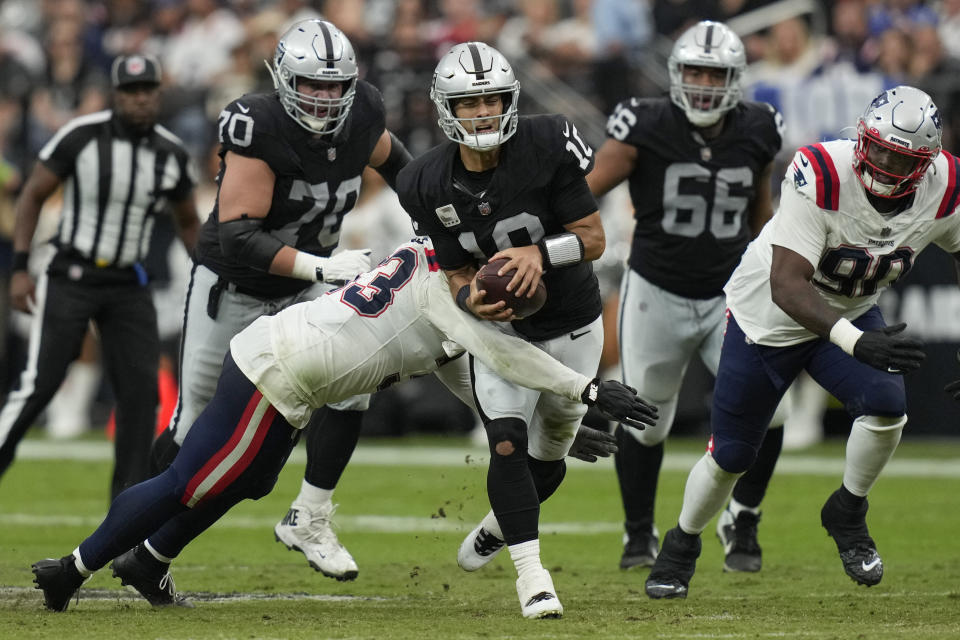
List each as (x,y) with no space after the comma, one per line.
(513,187)
(290,169)
(699,165)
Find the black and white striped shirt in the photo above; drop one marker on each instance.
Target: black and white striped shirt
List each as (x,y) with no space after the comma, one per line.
(115,182)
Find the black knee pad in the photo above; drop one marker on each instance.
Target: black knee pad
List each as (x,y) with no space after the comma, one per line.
(547,475)
(734,456)
(513,430)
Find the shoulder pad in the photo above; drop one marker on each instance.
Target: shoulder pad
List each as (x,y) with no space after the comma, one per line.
(368,112)
(951,195)
(814,174)
(250,125)
(560,138)
(631,119)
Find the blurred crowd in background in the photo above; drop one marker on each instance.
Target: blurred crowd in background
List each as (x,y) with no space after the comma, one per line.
(820,62)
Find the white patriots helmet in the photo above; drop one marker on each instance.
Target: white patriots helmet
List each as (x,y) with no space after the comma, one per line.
(317,50)
(898,138)
(473,69)
(707,44)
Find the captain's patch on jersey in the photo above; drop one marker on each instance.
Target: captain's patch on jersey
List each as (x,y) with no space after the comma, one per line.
(448,215)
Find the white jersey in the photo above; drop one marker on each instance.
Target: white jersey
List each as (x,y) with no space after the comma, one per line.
(824,215)
(392,323)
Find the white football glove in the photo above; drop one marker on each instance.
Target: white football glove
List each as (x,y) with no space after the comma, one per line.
(344,266)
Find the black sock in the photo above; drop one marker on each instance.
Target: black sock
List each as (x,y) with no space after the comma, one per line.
(848,500)
(638,469)
(149,560)
(752,486)
(331,438)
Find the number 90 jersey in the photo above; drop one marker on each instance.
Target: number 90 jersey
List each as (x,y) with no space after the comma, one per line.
(825,217)
(691,197)
(538,186)
(317,182)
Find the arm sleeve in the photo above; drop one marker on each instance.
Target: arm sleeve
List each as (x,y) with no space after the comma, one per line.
(801,225)
(516,360)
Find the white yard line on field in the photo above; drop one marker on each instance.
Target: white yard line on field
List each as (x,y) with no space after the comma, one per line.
(457,457)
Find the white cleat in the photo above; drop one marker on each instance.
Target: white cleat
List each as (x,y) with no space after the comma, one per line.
(478,548)
(538,598)
(311,533)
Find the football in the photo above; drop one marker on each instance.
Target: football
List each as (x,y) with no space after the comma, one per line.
(496,288)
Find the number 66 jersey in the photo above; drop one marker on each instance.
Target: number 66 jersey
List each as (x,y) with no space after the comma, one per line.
(825,217)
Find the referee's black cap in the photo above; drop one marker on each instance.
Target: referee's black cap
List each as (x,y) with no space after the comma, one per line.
(135,69)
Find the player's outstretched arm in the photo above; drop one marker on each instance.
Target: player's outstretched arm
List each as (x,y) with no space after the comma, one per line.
(884,349)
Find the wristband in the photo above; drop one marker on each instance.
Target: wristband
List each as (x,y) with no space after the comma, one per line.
(561,250)
(307,266)
(845,335)
(462,296)
(20,260)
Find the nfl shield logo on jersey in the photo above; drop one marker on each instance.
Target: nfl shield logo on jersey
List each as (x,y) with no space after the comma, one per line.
(332,154)
(484,208)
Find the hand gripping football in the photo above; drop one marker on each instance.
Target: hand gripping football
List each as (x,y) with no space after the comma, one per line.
(496,288)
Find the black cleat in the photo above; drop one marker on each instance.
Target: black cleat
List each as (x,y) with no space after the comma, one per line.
(152,582)
(59,580)
(858,552)
(640,547)
(675,565)
(739,539)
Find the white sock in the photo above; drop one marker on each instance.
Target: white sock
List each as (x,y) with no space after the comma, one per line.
(314,498)
(156,554)
(78,563)
(526,556)
(736,507)
(490,523)
(708,488)
(872,441)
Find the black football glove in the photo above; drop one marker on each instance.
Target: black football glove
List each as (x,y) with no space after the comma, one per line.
(619,403)
(591,444)
(884,349)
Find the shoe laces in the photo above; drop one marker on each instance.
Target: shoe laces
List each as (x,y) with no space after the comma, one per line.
(320,527)
(166,584)
(486,543)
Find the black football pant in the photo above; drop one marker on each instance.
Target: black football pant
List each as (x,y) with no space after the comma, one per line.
(127,324)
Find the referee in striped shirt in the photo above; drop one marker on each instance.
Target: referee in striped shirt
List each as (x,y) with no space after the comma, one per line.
(119,170)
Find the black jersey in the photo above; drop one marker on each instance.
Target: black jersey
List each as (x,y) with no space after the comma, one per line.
(317,183)
(539,185)
(690,196)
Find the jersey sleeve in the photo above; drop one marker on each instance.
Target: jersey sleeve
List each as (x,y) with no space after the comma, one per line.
(624,123)
(949,237)
(516,360)
(59,154)
(800,225)
(570,196)
(248,128)
(771,131)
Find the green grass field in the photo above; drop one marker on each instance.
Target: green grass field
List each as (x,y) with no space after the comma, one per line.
(406,506)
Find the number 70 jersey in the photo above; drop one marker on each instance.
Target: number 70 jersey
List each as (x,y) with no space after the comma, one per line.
(825,217)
